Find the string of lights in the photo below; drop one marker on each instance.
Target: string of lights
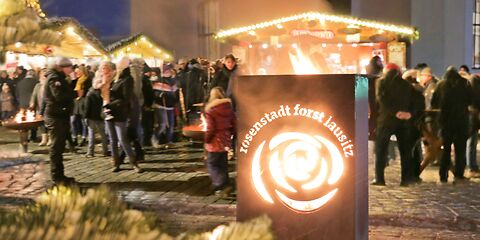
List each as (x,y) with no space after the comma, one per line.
(404,30)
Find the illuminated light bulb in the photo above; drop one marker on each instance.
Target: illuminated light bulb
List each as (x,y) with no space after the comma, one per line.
(252,33)
(144,39)
(250,46)
(18,44)
(279,26)
(264,46)
(158,50)
(129,49)
(339,45)
(324,45)
(136,44)
(150,45)
(167,56)
(279,45)
(70,30)
(294,45)
(354,45)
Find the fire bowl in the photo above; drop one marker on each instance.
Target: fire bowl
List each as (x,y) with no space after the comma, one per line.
(193,132)
(23,126)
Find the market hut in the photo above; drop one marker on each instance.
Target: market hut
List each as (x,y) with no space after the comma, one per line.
(316,42)
(140,46)
(77,43)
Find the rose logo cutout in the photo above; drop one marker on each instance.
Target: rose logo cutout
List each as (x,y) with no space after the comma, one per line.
(299,164)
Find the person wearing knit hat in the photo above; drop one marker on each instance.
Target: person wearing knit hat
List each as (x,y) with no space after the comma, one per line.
(58,97)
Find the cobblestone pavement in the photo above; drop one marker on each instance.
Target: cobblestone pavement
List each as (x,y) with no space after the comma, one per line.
(175,186)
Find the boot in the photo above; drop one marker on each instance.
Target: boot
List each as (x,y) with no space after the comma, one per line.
(44,140)
(49,142)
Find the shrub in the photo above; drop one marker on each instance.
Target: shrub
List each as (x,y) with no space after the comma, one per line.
(66,213)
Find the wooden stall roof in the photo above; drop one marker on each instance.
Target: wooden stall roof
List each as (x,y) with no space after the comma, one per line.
(78,41)
(138,45)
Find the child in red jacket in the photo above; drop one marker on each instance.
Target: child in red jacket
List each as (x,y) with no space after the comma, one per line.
(220,120)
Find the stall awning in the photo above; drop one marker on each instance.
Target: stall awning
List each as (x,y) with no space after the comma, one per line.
(77,41)
(139,46)
(325,26)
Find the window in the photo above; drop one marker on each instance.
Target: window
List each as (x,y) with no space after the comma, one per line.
(476,35)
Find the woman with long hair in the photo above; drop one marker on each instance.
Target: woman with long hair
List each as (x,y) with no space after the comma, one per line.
(117,105)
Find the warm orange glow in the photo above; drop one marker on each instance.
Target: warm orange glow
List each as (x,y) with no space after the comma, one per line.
(25,116)
(306,206)
(257,175)
(277,173)
(203,124)
(317,182)
(301,158)
(337,160)
(301,63)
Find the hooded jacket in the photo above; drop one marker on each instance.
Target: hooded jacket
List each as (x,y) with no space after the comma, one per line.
(393,95)
(221,125)
(452,96)
(58,95)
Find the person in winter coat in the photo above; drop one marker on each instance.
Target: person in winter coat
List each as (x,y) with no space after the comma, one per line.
(134,128)
(94,111)
(36,102)
(417,123)
(453,97)
(222,78)
(5,79)
(474,126)
(7,102)
(221,127)
(58,107)
(25,88)
(395,98)
(165,93)
(147,110)
(374,70)
(117,104)
(24,92)
(195,89)
(82,84)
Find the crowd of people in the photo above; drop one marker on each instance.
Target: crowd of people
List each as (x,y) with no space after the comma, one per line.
(128,104)
(427,116)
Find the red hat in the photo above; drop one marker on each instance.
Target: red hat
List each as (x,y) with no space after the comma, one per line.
(392,66)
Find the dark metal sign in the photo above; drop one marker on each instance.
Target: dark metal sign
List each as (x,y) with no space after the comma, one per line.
(302,154)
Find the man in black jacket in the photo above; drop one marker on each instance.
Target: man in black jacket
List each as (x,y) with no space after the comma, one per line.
(396,101)
(58,107)
(453,97)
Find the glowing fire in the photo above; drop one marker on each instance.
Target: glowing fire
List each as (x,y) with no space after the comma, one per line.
(203,124)
(301,63)
(298,157)
(25,116)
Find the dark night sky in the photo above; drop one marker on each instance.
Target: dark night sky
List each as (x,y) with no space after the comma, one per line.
(108,19)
